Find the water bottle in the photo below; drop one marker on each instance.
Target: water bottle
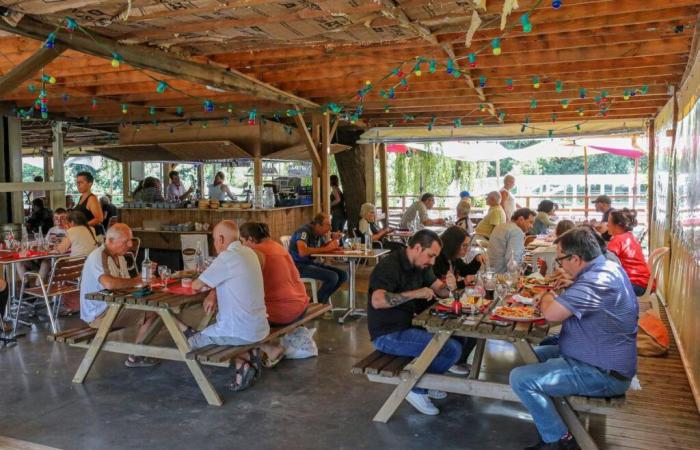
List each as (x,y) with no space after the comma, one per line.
(199,258)
(146,269)
(368,242)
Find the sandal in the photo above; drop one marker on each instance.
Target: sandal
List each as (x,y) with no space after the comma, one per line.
(268,362)
(189,332)
(256,361)
(248,375)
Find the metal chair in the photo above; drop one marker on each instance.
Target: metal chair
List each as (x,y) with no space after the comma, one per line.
(64,278)
(651,298)
(112,221)
(284,240)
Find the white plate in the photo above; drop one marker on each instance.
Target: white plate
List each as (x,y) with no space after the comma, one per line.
(516,319)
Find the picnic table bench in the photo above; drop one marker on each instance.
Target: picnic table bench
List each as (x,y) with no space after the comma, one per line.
(166,304)
(407,373)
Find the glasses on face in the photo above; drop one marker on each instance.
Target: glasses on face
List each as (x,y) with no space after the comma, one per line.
(558,261)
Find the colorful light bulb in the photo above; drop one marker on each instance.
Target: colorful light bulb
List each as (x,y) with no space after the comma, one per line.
(180,111)
(525,21)
(392,94)
(481,122)
(554,118)
(251,117)
(581,112)
(509,84)
(450,66)
(50,40)
(456,74)
(94,104)
(565,104)
(416,70)
(626,94)
(501,116)
(65,97)
(472,60)
(152,110)
(482,81)
(496,46)
(31,88)
(536,82)
(644,89)
(558,86)
(556,4)
(432,66)
(457,123)
(162,86)
(71,24)
(208,106)
(125,108)
(533,103)
(482,107)
(387,108)
(581,93)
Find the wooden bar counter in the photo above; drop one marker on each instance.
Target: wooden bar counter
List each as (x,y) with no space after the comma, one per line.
(282,221)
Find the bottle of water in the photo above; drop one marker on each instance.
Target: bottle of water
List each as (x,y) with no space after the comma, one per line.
(146,269)
(368,242)
(199,258)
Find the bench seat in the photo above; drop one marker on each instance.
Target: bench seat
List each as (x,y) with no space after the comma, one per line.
(76,335)
(390,366)
(222,355)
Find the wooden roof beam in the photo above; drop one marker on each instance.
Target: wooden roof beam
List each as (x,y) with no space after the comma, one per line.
(24,71)
(159,61)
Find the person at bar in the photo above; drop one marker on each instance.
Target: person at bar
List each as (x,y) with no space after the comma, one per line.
(88,203)
(543,222)
(368,223)
(338,213)
(416,215)
(402,285)
(176,190)
(237,295)
(311,239)
(106,268)
(494,216)
(628,250)
(596,354)
(151,191)
(220,190)
(285,295)
(70,203)
(508,240)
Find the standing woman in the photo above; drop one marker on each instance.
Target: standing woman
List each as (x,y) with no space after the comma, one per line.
(219,190)
(88,203)
(338,215)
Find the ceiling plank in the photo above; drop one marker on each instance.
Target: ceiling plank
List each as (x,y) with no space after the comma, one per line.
(24,71)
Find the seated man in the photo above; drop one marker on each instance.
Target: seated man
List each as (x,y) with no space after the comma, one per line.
(494,217)
(508,240)
(597,353)
(310,239)
(106,268)
(416,215)
(241,318)
(399,288)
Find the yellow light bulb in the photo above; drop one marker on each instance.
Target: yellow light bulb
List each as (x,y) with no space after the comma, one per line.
(497,51)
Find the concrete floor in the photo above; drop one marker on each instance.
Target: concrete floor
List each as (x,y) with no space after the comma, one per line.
(303,404)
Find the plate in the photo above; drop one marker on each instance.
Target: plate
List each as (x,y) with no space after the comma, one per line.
(517,313)
(520,299)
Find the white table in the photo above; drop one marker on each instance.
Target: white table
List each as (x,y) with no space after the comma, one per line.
(352,257)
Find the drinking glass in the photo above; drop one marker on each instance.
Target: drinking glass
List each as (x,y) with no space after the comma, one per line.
(501,292)
(164,274)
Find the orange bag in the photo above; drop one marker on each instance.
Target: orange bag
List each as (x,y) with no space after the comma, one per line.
(652,337)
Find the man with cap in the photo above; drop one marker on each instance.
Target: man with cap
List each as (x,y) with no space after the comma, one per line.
(603,205)
(463,208)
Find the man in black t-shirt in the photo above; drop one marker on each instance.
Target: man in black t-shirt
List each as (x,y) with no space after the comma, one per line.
(400,286)
(603,204)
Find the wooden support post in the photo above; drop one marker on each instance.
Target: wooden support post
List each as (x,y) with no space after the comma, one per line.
(58,198)
(14,142)
(27,68)
(316,189)
(47,176)
(126,181)
(325,154)
(257,160)
(634,186)
(201,182)
(383,181)
(651,169)
(585,182)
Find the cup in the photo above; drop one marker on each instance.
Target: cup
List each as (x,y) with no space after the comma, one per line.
(186,282)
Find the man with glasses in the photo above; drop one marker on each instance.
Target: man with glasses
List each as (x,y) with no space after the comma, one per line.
(401,286)
(596,355)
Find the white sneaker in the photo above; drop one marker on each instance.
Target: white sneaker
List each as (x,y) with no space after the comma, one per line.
(437,395)
(422,403)
(460,369)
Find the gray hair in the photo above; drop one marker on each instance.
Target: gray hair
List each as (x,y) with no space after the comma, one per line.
(118,231)
(495,195)
(366,208)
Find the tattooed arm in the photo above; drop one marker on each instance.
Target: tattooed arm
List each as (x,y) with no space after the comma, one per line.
(382,299)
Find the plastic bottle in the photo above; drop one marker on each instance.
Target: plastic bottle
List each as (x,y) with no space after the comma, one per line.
(146,269)
(199,258)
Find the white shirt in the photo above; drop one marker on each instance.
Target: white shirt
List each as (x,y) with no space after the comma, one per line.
(506,239)
(509,204)
(409,217)
(216,192)
(175,192)
(82,242)
(57,232)
(237,277)
(89,283)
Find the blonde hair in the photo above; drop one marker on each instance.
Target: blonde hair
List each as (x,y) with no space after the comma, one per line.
(366,208)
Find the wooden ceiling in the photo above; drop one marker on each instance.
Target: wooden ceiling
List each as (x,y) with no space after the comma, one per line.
(324,51)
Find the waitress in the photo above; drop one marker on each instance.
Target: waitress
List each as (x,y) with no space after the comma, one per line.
(219,190)
(88,204)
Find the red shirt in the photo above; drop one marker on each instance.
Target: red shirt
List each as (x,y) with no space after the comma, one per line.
(631,256)
(285,294)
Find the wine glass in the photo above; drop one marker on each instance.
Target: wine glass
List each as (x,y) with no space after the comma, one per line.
(164,275)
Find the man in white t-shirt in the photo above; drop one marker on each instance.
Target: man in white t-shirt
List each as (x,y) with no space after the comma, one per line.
(58,230)
(106,268)
(176,190)
(235,278)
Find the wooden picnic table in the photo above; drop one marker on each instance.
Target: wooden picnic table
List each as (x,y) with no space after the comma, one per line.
(522,335)
(166,304)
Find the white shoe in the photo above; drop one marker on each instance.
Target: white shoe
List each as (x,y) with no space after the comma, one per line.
(422,403)
(460,369)
(437,395)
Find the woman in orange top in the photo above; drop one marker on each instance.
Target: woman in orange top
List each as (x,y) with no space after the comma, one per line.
(285,294)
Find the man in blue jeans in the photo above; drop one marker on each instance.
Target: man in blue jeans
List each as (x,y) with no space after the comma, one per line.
(399,288)
(310,239)
(596,355)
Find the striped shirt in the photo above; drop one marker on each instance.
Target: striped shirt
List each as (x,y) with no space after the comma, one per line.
(602,331)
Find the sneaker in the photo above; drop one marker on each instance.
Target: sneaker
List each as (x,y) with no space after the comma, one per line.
(437,395)
(566,443)
(460,369)
(422,403)
(140,361)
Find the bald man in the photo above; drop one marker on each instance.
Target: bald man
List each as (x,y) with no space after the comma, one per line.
(106,268)
(494,217)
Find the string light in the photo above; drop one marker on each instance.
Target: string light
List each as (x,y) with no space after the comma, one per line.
(457,123)
(162,87)
(431,123)
(501,116)
(251,117)
(536,82)
(581,112)
(558,86)
(554,118)
(125,108)
(482,81)
(482,107)
(481,122)
(416,70)
(94,104)
(432,66)
(496,46)
(525,21)
(116,59)
(533,103)
(556,4)
(208,106)
(509,84)
(450,66)
(582,93)
(71,24)
(472,60)
(50,40)
(565,104)
(48,78)
(179,111)
(626,95)
(152,110)
(31,88)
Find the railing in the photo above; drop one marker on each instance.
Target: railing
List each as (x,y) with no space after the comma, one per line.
(574,207)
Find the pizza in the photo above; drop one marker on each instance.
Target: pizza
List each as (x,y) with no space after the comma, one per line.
(517,312)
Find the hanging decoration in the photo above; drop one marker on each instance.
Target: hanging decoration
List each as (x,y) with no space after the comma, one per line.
(162,87)
(482,81)
(525,22)
(496,46)
(472,60)
(536,82)
(508,7)
(564,104)
(509,84)
(474,25)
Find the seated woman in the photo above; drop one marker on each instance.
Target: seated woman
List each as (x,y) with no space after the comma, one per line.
(450,267)
(627,248)
(368,222)
(563,226)
(545,210)
(285,294)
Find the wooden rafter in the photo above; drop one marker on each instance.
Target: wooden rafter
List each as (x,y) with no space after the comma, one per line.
(160,62)
(22,72)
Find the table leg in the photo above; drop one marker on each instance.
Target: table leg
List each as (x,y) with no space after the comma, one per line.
(351,291)
(97,342)
(152,332)
(415,371)
(478,358)
(182,345)
(565,410)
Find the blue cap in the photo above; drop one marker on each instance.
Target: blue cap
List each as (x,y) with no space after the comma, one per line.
(464,194)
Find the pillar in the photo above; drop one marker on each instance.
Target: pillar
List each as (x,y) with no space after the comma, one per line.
(58,198)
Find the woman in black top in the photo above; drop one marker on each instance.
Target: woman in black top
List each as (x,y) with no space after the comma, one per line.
(450,265)
(338,215)
(88,203)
